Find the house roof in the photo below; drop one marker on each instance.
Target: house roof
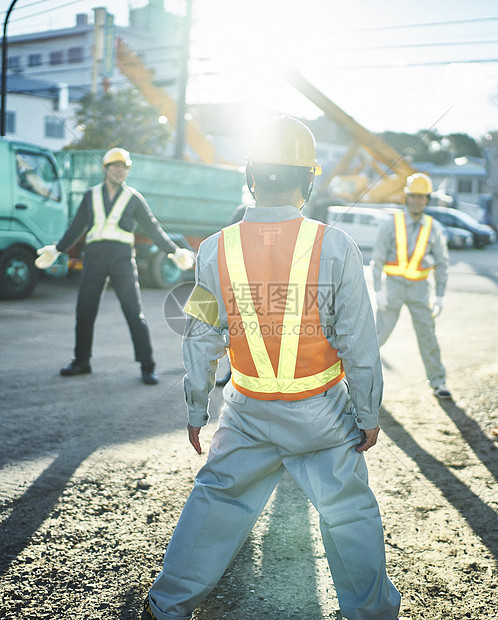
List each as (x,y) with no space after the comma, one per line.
(21,85)
(472,167)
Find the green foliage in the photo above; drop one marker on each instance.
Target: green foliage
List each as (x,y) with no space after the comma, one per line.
(121,118)
(490,140)
(464,145)
(431,146)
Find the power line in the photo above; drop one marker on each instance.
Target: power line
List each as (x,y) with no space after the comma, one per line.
(120,81)
(409,45)
(219,16)
(25,6)
(44,66)
(49,10)
(345,31)
(402,65)
(123,81)
(47,66)
(421,25)
(33,69)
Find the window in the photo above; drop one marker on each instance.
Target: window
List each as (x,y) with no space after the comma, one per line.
(36,173)
(464,186)
(56,58)
(54,128)
(14,62)
(368,219)
(75,54)
(34,60)
(10,122)
(348,218)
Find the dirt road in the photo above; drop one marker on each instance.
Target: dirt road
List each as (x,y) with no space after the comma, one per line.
(94,471)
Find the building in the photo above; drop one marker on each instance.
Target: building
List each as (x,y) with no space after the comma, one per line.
(41,112)
(466,181)
(62,65)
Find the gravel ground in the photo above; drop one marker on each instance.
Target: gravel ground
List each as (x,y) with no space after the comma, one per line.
(84,524)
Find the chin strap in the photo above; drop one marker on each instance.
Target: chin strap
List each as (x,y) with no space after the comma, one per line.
(250,180)
(306,190)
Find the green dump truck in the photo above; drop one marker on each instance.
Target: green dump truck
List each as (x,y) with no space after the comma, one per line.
(41,192)
(191,201)
(33,213)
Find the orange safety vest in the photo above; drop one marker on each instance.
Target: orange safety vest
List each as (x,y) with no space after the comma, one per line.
(269,281)
(409,268)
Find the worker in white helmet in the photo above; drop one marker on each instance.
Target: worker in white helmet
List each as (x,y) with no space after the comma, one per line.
(287,296)
(410,245)
(109,214)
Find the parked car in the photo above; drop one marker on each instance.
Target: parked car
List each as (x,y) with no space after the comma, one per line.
(458,237)
(361,223)
(483,235)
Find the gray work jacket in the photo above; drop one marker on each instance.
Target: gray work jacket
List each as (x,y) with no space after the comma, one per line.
(436,254)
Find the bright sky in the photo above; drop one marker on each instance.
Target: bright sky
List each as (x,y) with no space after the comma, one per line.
(402,65)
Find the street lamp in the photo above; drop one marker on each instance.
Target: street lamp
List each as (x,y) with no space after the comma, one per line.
(4,70)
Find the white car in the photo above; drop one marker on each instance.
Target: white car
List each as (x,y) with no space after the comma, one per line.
(361,223)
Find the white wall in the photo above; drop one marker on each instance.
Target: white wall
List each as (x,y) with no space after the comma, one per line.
(30,120)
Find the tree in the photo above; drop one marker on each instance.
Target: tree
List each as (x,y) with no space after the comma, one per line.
(120,118)
(464,145)
(427,145)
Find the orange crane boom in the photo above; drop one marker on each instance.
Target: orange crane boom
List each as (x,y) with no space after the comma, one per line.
(130,65)
(384,160)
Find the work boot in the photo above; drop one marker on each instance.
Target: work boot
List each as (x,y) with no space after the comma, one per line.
(442,392)
(149,377)
(147,612)
(76,367)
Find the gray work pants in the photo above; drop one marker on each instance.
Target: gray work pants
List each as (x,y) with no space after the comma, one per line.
(415,295)
(314,440)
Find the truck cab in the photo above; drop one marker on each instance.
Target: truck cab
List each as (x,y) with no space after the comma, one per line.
(33,213)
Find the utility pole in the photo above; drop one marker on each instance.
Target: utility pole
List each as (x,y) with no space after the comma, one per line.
(99,19)
(182,86)
(3,111)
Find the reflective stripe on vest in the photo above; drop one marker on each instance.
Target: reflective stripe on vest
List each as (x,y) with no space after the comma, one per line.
(409,269)
(107,228)
(267,385)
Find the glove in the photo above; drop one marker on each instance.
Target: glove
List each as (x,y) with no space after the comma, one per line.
(46,256)
(381,301)
(184,259)
(437,307)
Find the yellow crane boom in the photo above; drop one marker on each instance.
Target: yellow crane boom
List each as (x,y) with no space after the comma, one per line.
(392,168)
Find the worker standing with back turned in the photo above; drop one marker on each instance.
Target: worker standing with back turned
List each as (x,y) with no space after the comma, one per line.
(287,296)
(109,214)
(409,246)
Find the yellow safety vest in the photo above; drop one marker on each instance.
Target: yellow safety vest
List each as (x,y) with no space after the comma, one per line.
(405,267)
(107,228)
(288,358)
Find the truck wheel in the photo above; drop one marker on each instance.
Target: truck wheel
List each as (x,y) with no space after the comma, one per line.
(18,274)
(163,272)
